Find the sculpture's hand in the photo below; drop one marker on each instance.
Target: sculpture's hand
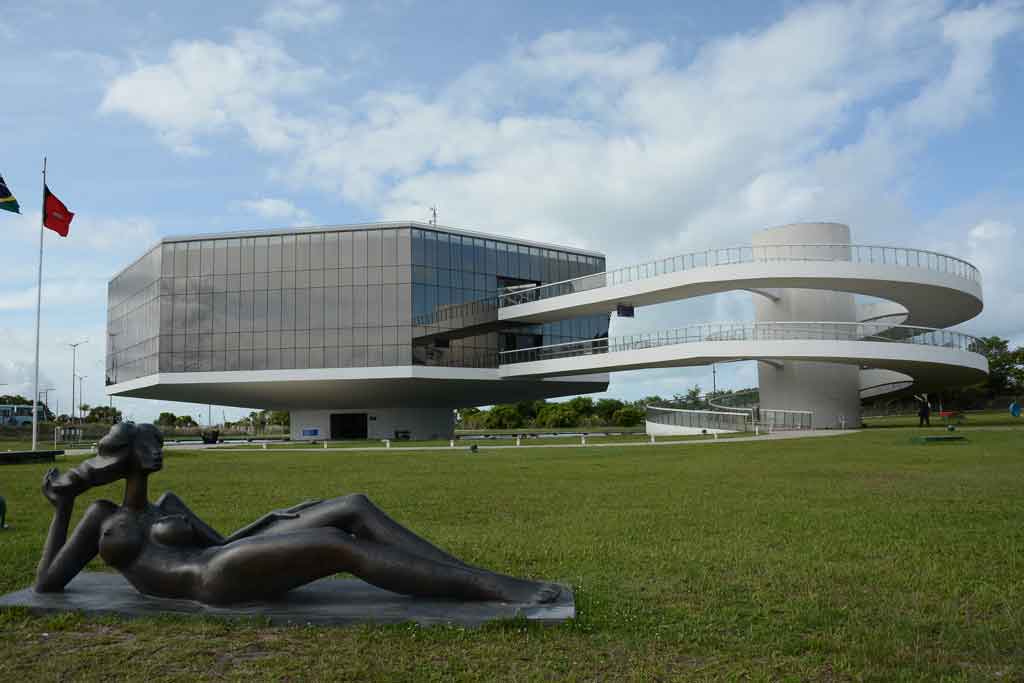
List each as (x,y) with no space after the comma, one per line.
(51,489)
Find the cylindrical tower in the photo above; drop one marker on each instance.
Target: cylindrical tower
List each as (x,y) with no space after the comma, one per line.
(830,390)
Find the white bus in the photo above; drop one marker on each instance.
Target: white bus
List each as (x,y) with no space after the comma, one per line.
(17,415)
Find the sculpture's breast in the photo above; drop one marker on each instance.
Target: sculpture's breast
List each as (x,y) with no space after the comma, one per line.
(122,537)
(173,530)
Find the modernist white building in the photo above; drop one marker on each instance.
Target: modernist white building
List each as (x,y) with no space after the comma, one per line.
(322,322)
(381,330)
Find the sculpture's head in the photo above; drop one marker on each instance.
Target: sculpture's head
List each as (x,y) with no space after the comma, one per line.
(127,449)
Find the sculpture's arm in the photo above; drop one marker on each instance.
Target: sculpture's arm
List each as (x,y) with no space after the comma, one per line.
(266,520)
(205,534)
(63,558)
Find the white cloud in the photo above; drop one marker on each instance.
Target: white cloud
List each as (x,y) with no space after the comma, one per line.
(206,87)
(56,290)
(295,15)
(273,208)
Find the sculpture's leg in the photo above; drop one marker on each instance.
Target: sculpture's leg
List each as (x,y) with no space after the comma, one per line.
(358,515)
(266,565)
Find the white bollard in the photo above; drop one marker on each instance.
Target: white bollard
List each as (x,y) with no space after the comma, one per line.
(519,440)
(757,429)
(451,443)
(652,438)
(716,435)
(583,439)
(325,444)
(264,445)
(387,443)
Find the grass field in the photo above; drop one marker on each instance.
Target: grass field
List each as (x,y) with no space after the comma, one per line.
(986,418)
(854,557)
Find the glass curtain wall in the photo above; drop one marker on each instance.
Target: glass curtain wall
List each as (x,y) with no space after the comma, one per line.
(133,320)
(450,269)
(331,299)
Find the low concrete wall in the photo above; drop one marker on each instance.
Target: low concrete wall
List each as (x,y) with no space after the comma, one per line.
(673,430)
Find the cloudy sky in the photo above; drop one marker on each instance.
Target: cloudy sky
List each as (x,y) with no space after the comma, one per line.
(640,133)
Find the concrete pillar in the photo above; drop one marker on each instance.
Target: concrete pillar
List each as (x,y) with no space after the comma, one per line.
(830,390)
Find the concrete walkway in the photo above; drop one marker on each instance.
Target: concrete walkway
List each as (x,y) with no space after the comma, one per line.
(462,446)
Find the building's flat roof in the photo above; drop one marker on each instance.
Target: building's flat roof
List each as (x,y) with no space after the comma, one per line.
(235,234)
(266,232)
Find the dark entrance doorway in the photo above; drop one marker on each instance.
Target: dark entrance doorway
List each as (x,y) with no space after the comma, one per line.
(348,426)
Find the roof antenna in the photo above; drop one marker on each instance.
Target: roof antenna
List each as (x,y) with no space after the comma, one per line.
(433,215)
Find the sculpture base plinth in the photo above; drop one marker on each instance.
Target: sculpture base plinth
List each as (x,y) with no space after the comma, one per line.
(323,602)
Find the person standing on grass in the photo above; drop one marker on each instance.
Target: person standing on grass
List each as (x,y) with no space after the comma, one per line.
(924,414)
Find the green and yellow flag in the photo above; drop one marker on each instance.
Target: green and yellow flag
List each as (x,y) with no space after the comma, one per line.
(7,200)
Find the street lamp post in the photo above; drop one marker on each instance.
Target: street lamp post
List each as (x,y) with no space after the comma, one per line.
(74,358)
(46,397)
(113,355)
(81,378)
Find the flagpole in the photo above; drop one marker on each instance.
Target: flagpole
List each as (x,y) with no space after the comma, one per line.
(39,306)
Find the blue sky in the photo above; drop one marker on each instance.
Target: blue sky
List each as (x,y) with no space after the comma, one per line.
(588,123)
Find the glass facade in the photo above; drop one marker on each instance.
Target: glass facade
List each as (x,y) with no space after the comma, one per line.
(324,299)
(451,269)
(133,320)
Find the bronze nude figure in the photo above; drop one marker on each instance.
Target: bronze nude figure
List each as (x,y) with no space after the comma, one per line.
(165,550)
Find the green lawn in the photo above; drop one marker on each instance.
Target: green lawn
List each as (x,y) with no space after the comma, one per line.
(854,557)
(985,418)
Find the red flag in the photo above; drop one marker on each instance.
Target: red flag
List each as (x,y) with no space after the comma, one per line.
(55,215)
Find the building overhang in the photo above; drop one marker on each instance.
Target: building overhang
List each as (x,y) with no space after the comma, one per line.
(406,386)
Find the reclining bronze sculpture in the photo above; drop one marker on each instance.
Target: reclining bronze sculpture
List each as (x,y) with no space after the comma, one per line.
(166,550)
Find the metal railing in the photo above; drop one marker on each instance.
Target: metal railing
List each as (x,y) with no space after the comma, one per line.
(774,419)
(750,331)
(698,419)
(739,400)
(710,258)
(768,419)
(486,307)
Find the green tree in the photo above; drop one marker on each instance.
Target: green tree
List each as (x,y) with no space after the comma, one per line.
(1005,366)
(14,400)
(528,411)
(104,414)
(185,421)
(279,418)
(471,418)
(167,420)
(557,415)
(629,417)
(582,405)
(503,416)
(606,408)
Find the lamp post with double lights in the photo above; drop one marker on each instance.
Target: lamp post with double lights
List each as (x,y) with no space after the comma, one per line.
(74,358)
(81,378)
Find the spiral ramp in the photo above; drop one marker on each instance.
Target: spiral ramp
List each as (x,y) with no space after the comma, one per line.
(821,350)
